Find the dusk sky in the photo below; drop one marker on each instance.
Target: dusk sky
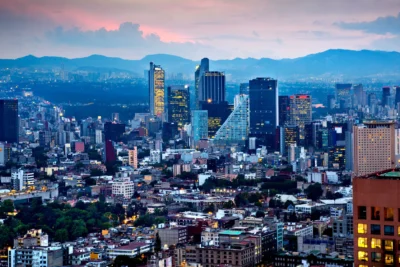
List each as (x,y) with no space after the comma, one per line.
(218,29)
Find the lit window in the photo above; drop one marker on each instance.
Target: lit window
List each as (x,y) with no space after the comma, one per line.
(389,214)
(362,242)
(389,259)
(388,245)
(376,243)
(362,228)
(375,213)
(362,256)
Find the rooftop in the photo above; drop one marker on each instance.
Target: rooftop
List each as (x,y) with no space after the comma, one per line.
(231,232)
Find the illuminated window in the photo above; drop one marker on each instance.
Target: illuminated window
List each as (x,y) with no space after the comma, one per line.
(362,242)
(389,214)
(362,265)
(362,228)
(376,256)
(362,256)
(375,213)
(389,259)
(388,245)
(376,243)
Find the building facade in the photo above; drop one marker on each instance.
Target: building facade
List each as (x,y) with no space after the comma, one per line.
(9,129)
(300,113)
(156,89)
(179,104)
(212,87)
(199,120)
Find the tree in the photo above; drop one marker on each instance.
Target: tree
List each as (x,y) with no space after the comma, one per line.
(314,191)
(210,208)
(228,205)
(96,172)
(260,214)
(157,245)
(61,235)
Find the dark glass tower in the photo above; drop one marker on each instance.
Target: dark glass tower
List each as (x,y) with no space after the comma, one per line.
(284,106)
(178,104)
(397,97)
(114,131)
(385,95)
(263,93)
(212,87)
(9,121)
(200,70)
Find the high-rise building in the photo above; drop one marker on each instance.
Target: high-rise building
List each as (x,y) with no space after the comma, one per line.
(337,158)
(115,117)
(217,115)
(374,147)
(360,97)
(263,96)
(212,87)
(199,123)
(289,135)
(385,96)
(179,104)
(284,109)
(132,157)
(244,88)
(9,121)
(112,131)
(343,94)
(123,187)
(331,102)
(156,89)
(300,112)
(200,70)
(397,97)
(376,210)
(236,126)
(109,154)
(22,179)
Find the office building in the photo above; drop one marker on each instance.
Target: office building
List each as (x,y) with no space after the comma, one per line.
(156,89)
(337,157)
(9,121)
(385,96)
(132,157)
(115,117)
(212,87)
(236,126)
(376,210)
(22,179)
(173,236)
(397,96)
(288,135)
(217,115)
(360,96)
(112,131)
(199,72)
(123,187)
(374,147)
(331,102)
(244,89)
(343,94)
(284,109)
(300,112)
(199,123)
(263,96)
(109,154)
(179,105)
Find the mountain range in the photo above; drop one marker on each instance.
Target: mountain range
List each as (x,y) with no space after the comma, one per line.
(342,63)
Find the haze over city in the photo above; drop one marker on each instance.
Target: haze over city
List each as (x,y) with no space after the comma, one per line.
(220,29)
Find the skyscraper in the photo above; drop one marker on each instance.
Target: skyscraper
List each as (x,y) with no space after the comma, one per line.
(244,88)
(343,94)
(300,112)
(212,87)
(109,154)
(199,123)
(236,126)
(397,97)
(360,97)
(284,109)
(217,115)
(112,131)
(263,96)
(385,96)
(374,147)
(179,104)
(9,121)
(200,70)
(289,136)
(156,89)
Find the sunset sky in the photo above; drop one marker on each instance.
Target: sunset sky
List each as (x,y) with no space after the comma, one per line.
(218,29)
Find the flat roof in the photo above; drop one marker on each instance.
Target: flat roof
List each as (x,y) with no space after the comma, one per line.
(391,174)
(231,232)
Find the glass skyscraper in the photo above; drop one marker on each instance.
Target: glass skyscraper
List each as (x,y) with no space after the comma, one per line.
(212,87)
(9,130)
(179,104)
(343,96)
(300,112)
(263,96)
(236,126)
(199,125)
(200,70)
(156,89)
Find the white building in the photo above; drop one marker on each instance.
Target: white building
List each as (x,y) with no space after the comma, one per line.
(332,177)
(123,187)
(155,156)
(22,179)
(203,177)
(210,236)
(38,256)
(308,207)
(99,136)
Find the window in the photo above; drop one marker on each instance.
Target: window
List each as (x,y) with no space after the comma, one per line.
(362,212)
(376,243)
(375,229)
(362,228)
(375,214)
(388,245)
(389,259)
(362,256)
(389,214)
(389,230)
(362,242)
(376,256)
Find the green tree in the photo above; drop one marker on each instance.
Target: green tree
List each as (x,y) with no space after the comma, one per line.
(260,214)
(314,191)
(157,245)
(228,205)
(61,235)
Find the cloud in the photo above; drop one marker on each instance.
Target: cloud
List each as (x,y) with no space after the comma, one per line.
(382,25)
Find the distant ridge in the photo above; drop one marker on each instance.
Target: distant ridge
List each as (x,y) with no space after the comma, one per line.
(334,62)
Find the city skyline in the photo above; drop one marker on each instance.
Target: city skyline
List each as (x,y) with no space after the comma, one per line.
(133,29)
